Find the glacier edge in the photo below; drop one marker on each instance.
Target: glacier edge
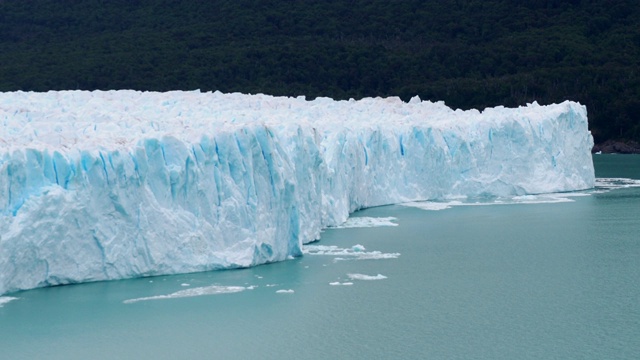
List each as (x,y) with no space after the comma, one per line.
(120,184)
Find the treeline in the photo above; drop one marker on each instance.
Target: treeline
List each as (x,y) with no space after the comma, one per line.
(469,53)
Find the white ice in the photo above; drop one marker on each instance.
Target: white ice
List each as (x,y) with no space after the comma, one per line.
(6,299)
(616,183)
(121,184)
(515,200)
(199,291)
(363,221)
(366,277)
(601,185)
(356,252)
(285,291)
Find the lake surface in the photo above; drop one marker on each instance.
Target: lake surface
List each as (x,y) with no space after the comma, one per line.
(546,277)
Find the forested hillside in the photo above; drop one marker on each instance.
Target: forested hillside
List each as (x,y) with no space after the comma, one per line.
(469,53)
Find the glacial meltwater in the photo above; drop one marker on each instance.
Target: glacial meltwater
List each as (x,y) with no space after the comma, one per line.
(533,277)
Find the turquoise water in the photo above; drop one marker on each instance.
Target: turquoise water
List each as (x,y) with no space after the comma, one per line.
(512,281)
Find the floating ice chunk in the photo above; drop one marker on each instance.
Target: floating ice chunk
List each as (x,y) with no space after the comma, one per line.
(429,205)
(6,299)
(338,283)
(616,183)
(199,291)
(539,199)
(362,222)
(323,250)
(366,277)
(372,255)
(283,291)
(358,248)
(515,200)
(354,253)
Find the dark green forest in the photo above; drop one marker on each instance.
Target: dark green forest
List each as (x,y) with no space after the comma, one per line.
(469,53)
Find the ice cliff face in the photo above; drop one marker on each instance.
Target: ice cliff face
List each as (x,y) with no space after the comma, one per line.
(120,184)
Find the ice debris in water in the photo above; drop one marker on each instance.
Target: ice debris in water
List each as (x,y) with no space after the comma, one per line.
(616,183)
(356,252)
(6,299)
(285,291)
(366,277)
(358,248)
(199,291)
(363,221)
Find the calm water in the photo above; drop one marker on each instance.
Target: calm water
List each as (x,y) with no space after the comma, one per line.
(537,281)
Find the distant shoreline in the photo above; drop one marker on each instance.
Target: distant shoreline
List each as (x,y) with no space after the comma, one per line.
(617,147)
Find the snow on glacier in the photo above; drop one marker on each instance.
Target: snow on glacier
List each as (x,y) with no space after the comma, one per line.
(120,184)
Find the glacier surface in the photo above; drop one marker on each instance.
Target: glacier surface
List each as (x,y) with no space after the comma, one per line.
(120,184)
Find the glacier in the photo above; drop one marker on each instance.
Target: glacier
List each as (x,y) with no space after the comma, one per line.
(118,184)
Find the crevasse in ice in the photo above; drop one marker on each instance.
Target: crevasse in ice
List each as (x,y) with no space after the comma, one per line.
(120,184)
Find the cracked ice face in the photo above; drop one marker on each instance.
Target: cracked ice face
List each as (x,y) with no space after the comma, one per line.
(119,184)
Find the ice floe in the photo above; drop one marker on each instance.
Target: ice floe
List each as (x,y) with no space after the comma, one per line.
(199,291)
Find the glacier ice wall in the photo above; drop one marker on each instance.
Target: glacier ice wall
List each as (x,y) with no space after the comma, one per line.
(120,184)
